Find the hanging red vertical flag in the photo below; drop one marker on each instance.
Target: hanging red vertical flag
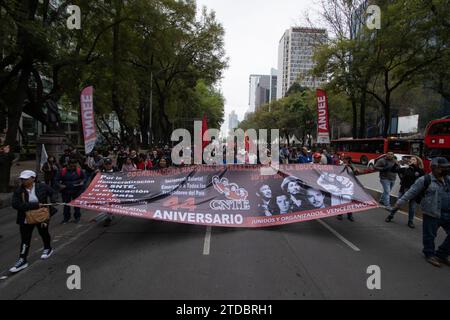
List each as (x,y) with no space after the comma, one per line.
(87,119)
(323,127)
(204,129)
(247,148)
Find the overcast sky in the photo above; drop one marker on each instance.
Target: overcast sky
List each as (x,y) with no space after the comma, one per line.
(253,29)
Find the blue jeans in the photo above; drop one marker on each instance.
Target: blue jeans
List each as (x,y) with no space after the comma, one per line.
(430,228)
(412,207)
(388,185)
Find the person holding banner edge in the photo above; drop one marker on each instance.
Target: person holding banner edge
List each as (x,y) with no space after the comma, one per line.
(32,195)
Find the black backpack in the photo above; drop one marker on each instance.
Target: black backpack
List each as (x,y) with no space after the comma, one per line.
(427,184)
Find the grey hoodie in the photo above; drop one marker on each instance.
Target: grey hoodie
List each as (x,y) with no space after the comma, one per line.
(386,168)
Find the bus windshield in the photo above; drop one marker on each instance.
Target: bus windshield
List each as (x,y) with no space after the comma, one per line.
(440,129)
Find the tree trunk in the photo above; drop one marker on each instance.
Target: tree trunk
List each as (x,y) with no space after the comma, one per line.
(14,115)
(387,115)
(165,123)
(362,115)
(354,117)
(116,72)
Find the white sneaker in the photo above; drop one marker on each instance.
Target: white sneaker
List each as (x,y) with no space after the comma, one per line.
(19,266)
(46,254)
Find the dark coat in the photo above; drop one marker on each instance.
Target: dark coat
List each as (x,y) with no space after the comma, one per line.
(45,195)
(409,176)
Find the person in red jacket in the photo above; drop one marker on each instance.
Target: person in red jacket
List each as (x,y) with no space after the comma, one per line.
(144,164)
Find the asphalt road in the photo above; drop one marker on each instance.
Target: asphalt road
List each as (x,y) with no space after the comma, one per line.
(138,259)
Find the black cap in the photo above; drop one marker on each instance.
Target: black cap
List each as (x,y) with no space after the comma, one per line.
(440,162)
(108,161)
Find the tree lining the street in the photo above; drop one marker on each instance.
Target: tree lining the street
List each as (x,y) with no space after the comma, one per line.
(120,44)
(409,50)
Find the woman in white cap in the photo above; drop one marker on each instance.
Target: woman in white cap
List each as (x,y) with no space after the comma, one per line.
(32,196)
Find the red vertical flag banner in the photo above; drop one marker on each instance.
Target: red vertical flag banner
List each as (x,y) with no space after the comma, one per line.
(204,129)
(323,127)
(87,118)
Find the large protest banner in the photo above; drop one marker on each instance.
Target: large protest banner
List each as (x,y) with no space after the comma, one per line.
(228,196)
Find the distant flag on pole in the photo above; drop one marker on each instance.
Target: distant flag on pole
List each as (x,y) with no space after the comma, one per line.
(87,118)
(44,156)
(247,148)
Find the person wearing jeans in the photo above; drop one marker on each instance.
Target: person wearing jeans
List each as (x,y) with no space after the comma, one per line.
(430,228)
(408,176)
(435,206)
(387,168)
(387,185)
(71,181)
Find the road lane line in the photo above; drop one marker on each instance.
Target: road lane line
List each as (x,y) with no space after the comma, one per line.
(339,236)
(70,241)
(406,214)
(207,244)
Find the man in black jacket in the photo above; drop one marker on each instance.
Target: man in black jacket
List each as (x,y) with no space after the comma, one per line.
(31,196)
(408,176)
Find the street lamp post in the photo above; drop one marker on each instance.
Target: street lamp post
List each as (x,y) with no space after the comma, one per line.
(150,131)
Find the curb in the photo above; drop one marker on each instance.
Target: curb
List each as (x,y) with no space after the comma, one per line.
(5,200)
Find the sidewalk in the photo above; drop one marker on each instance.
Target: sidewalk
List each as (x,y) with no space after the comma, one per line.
(16,169)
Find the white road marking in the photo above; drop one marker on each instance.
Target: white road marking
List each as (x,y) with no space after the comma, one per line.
(76,237)
(339,236)
(207,244)
(406,214)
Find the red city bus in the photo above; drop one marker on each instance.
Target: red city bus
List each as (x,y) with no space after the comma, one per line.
(364,150)
(437,141)
(361,150)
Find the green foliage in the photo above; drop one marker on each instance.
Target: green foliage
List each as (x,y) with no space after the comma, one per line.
(294,114)
(410,50)
(121,43)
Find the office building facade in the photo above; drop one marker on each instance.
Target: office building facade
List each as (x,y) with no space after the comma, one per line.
(295,58)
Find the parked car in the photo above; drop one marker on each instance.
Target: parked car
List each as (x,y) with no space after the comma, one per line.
(398,156)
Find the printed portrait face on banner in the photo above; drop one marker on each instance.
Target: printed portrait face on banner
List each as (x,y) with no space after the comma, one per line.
(316,198)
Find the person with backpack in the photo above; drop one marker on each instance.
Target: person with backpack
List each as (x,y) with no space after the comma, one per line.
(31,201)
(408,176)
(70,182)
(432,191)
